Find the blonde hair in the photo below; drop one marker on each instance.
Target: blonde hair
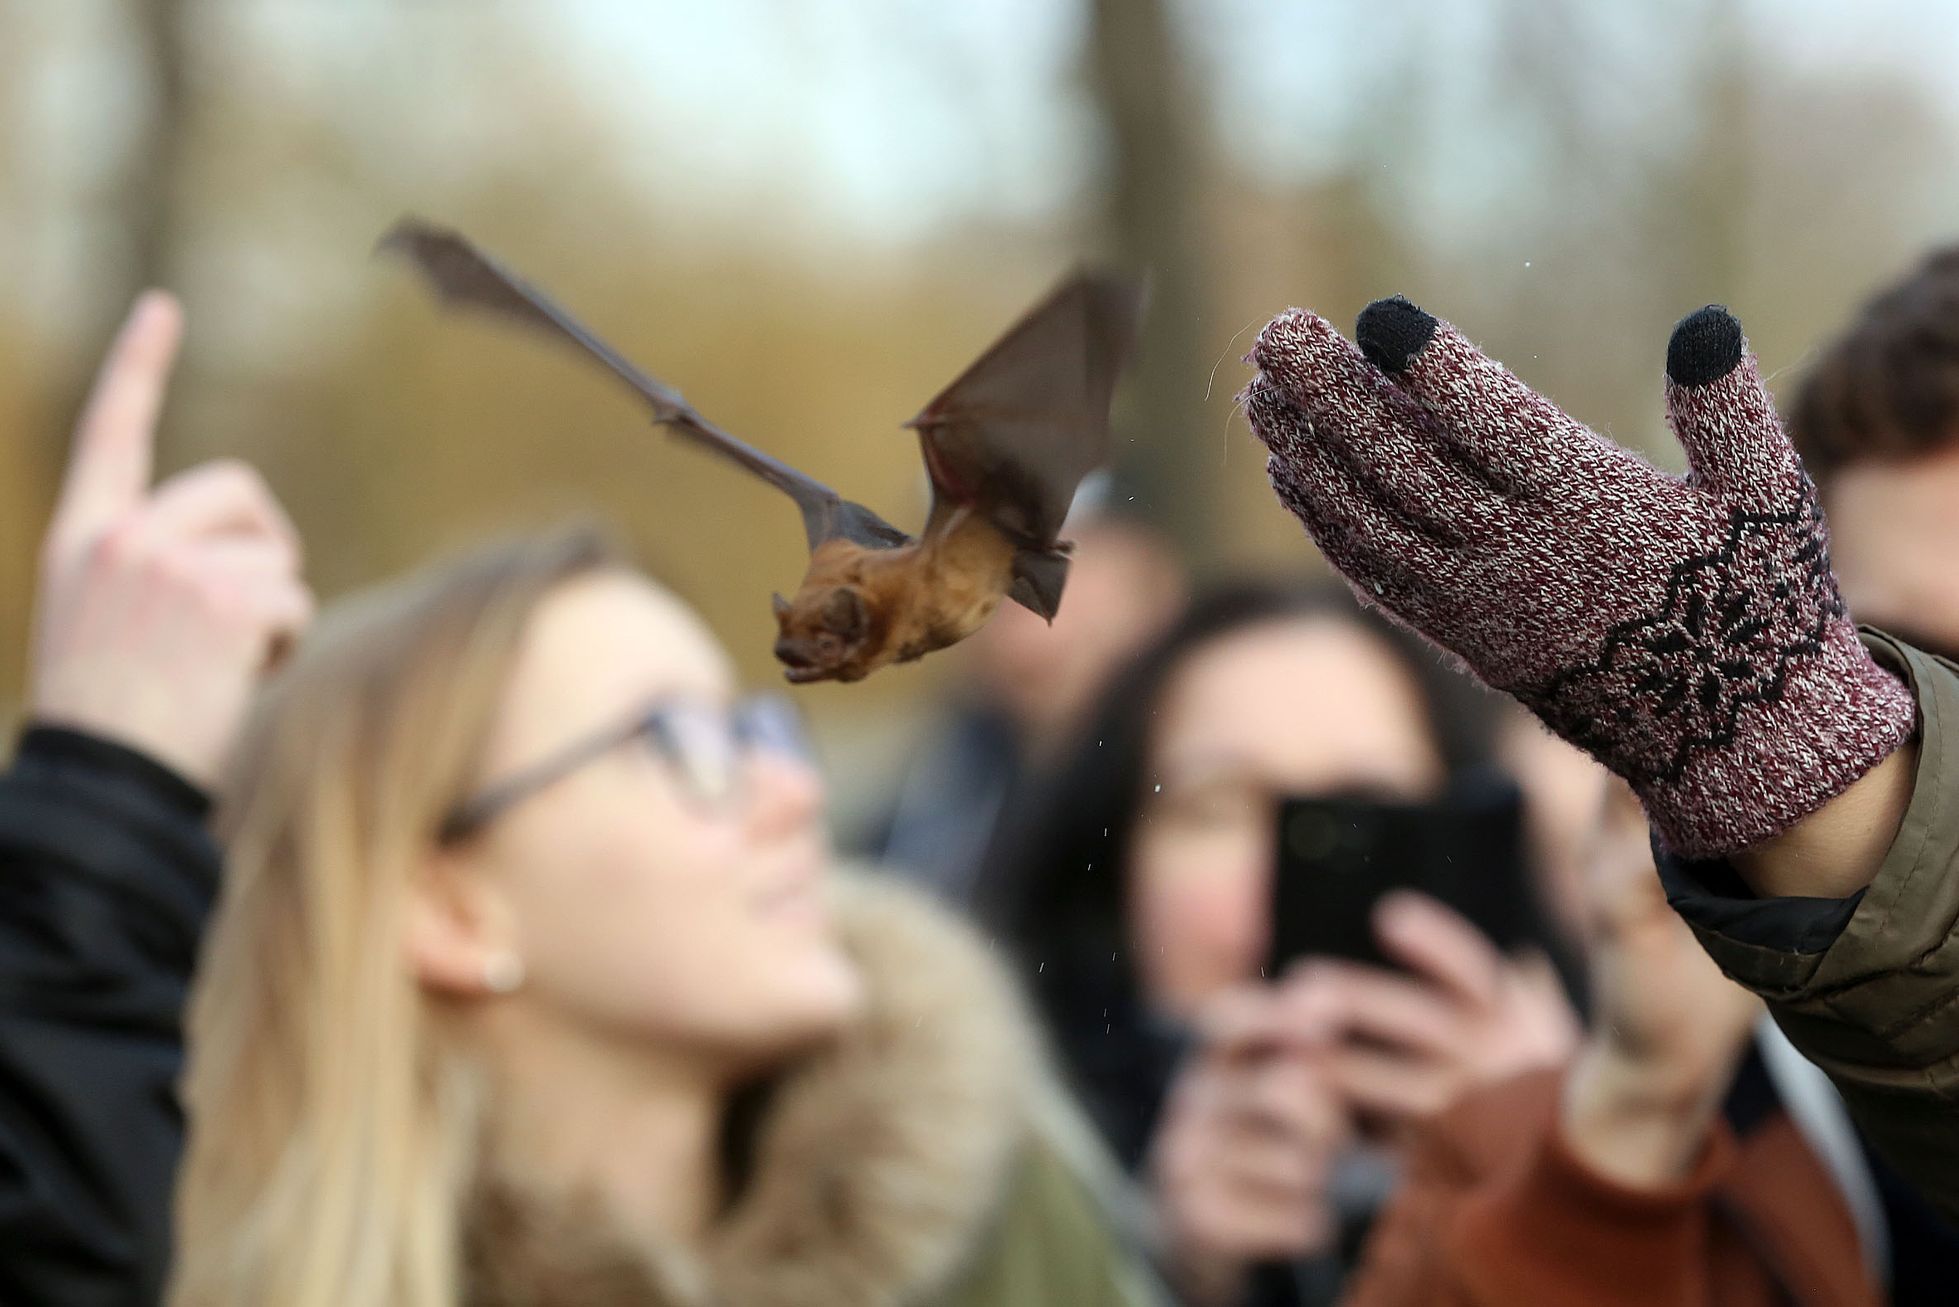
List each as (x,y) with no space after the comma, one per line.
(332,1119)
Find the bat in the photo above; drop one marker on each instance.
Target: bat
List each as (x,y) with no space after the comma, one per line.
(1005,445)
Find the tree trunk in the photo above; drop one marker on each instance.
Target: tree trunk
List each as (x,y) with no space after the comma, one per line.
(1139,86)
(150,194)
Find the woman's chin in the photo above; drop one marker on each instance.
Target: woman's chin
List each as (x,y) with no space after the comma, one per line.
(819,998)
(837,992)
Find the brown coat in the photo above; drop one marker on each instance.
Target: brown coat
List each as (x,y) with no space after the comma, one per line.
(1496,1212)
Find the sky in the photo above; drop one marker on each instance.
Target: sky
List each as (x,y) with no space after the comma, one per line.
(893,117)
(890,121)
(982,111)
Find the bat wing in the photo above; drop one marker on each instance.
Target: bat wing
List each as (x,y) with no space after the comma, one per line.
(462,274)
(1037,580)
(1021,427)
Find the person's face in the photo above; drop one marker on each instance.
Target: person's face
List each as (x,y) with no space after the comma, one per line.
(1894,529)
(1123,585)
(1312,706)
(636,907)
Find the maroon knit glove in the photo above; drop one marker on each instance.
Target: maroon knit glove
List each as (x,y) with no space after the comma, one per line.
(1687,633)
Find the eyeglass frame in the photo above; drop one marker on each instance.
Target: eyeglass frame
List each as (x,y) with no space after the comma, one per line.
(653,723)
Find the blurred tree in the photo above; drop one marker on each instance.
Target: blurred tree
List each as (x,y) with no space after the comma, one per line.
(156,153)
(21,458)
(145,207)
(1562,180)
(1140,89)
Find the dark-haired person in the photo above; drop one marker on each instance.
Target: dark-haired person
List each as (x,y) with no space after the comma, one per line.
(1690,634)
(1876,421)
(1136,888)
(1685,1154)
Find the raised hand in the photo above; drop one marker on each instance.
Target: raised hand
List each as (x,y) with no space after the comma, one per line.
(1241,1162)
(1400,1047)
(158,608)
(1685,631)
(1667,1026)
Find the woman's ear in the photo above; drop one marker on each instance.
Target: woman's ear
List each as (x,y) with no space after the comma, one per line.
(461,939)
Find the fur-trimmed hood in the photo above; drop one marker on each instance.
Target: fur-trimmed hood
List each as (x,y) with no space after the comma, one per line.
(878,1164)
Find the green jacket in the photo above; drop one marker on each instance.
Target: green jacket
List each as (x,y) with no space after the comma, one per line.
(1050,1246)
(1868,987)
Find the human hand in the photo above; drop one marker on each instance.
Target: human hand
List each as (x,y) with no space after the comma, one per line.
(158,609)
(1667,1029)
(1241,1160)
(1402,1047)
(1688,632)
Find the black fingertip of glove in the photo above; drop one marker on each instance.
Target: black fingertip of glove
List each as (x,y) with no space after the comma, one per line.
(1706,347)
(1391,332)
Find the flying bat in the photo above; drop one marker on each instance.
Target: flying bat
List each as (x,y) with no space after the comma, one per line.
(1005,445)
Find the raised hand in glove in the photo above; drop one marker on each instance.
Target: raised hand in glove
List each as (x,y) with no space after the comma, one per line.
(1686,632)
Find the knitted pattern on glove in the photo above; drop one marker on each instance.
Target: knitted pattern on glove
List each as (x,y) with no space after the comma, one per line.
(1688,633)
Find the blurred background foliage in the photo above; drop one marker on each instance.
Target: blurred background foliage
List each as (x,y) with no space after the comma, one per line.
(809,214)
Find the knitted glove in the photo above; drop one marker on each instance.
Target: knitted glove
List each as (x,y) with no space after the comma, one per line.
(1687,633)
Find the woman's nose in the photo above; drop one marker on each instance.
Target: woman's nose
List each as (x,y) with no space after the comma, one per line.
(785,792)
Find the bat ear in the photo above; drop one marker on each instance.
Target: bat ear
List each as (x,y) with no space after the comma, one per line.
(779,606)
(845,614)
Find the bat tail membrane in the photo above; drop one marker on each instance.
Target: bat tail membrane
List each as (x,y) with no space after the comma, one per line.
(1038,578)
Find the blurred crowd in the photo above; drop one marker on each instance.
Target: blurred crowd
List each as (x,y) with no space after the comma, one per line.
(1221,942)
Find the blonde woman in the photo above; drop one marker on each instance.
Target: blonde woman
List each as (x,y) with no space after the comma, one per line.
(528,985)
(528,980)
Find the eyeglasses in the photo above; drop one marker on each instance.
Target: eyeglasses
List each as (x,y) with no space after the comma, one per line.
(702,745)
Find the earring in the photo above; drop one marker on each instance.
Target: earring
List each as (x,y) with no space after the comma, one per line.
(503,972)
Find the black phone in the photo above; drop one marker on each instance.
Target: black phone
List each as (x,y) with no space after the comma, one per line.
(1337,856)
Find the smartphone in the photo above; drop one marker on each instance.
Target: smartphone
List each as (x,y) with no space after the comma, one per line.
(1338,856)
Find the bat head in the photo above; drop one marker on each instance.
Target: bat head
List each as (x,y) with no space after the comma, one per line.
(825,633)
